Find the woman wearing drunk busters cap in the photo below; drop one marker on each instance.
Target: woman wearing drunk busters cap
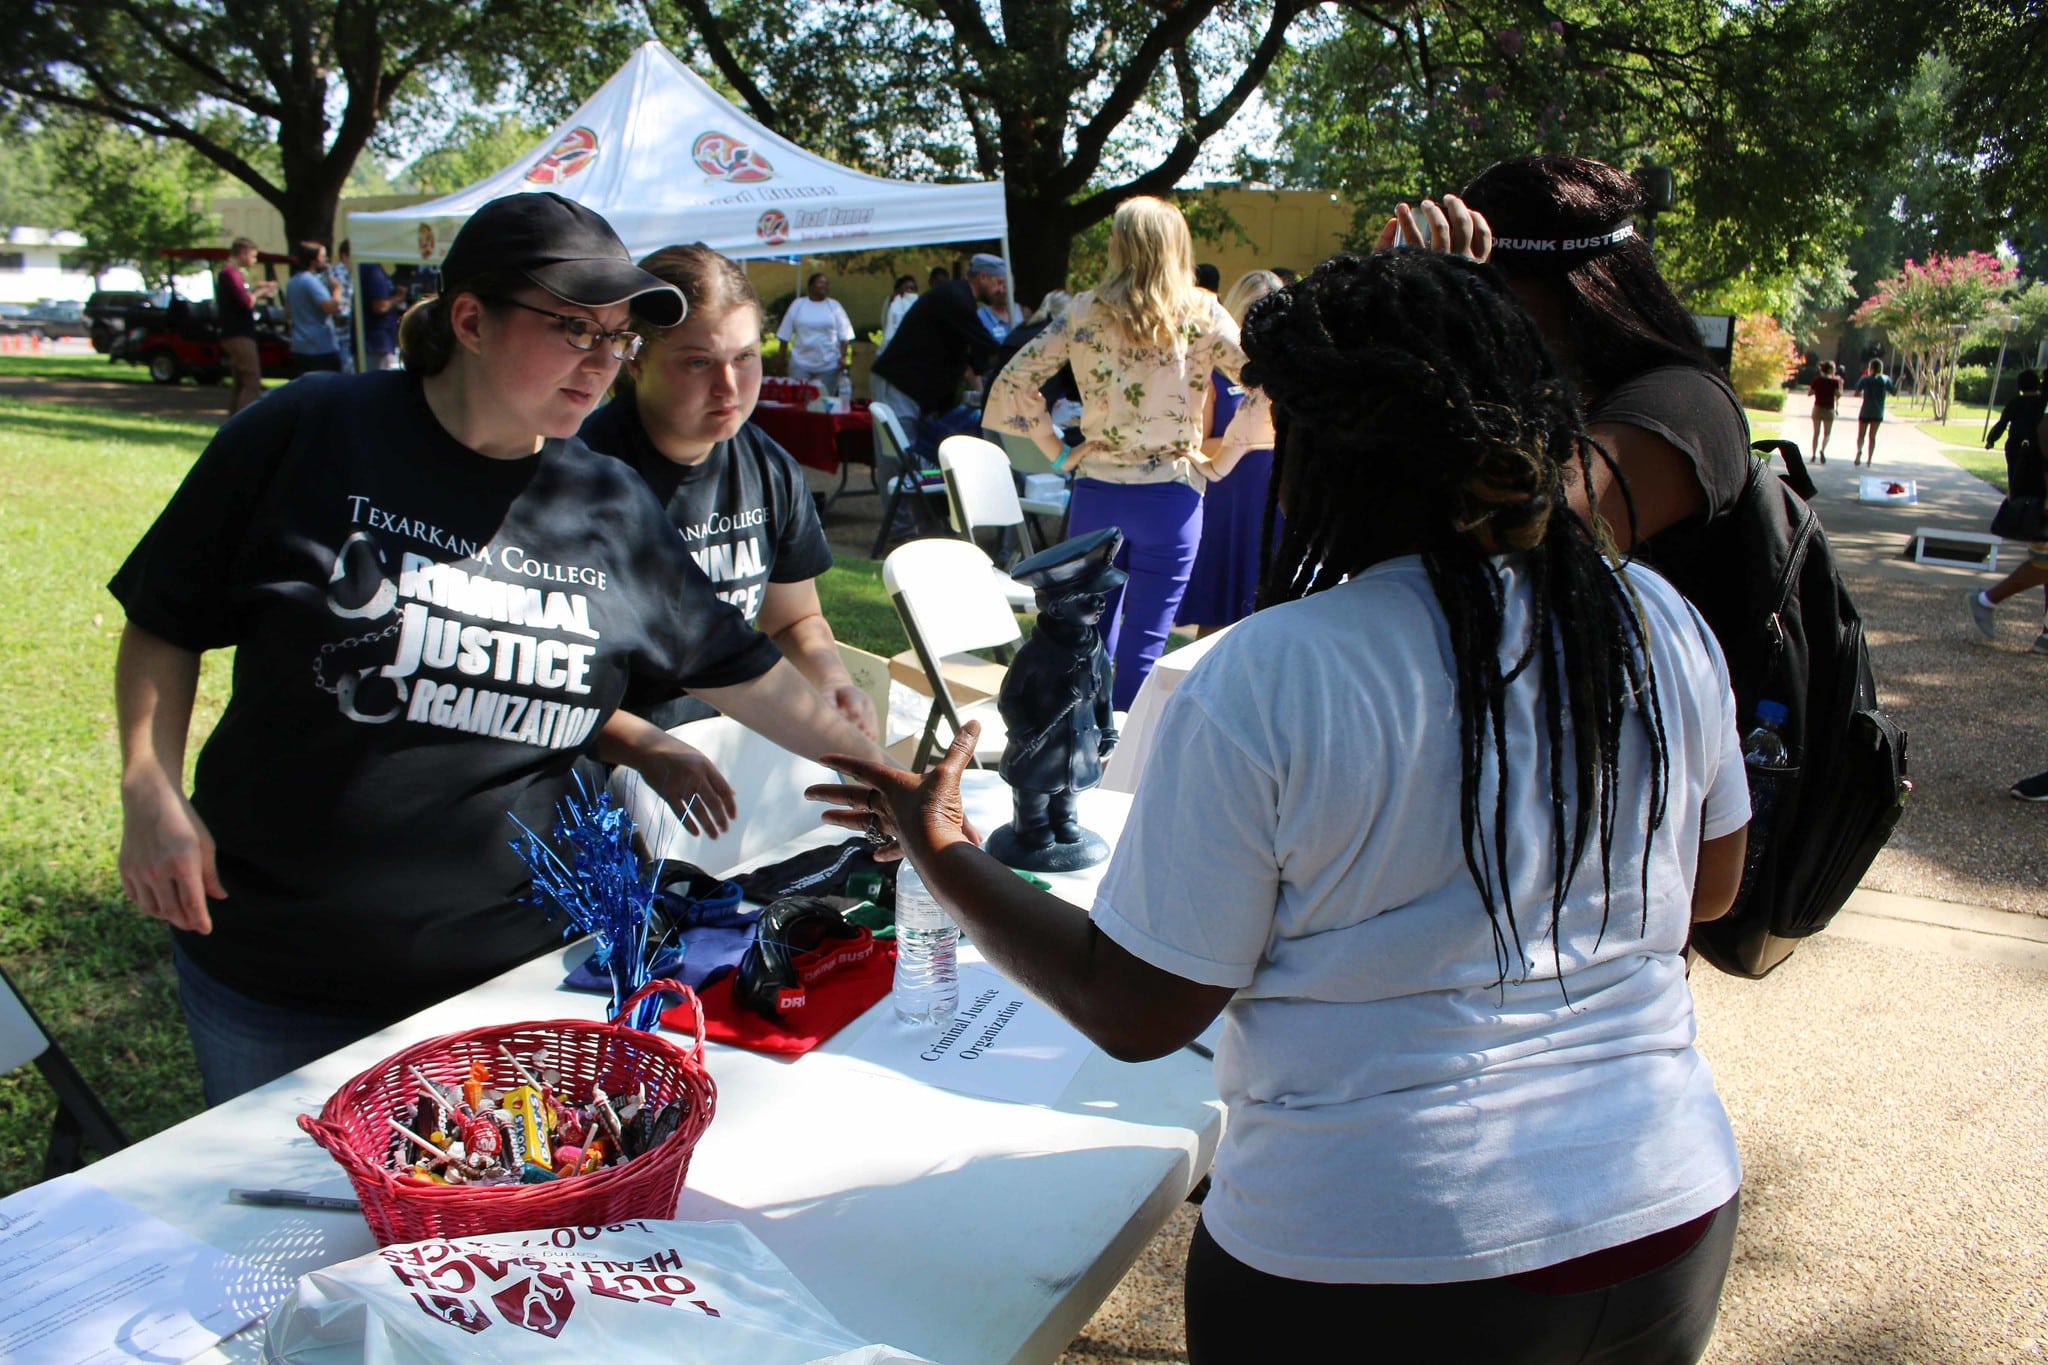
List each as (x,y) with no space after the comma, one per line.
(1562,230)
(436,596)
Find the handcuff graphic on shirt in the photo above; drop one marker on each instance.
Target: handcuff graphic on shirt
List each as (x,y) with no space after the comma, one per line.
(346,685)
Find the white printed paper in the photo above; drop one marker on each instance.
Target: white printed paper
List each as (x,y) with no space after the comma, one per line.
(1002,1044)
(92,1280)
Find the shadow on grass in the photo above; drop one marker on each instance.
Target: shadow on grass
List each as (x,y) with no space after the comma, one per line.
(50,420)
(100,976)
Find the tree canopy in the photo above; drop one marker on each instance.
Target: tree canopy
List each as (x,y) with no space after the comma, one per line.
(283,95)
(1743,101)
(1076,106)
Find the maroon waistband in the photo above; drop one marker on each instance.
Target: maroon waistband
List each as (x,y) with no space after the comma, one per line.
(1612,1265)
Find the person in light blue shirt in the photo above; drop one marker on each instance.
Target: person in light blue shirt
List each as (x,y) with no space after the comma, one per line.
(313,303)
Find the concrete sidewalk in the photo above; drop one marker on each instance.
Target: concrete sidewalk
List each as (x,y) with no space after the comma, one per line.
(1885,1082)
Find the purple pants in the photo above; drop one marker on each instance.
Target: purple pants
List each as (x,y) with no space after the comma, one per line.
(1162,526)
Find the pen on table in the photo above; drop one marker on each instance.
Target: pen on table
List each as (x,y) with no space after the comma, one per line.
(295,1199)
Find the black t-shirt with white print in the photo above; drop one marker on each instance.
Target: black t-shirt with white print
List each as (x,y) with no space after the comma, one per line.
(425,640)
(744,513)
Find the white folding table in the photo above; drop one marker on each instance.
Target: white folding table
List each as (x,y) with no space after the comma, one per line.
(961,1228)
(1141,725)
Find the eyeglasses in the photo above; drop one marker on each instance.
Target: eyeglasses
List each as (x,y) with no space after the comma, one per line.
(584,334)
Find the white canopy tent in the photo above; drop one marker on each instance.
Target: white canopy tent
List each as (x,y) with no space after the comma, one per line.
(665,158)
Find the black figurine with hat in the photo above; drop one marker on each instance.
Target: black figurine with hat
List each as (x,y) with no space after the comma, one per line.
(1055,702)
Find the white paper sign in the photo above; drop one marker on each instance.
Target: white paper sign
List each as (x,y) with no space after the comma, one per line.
(1002,1044)
(91,1280)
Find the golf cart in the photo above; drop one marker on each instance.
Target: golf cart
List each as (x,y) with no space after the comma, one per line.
(183,338)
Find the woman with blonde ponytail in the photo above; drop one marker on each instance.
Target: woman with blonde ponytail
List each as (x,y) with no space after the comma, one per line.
(1142,345)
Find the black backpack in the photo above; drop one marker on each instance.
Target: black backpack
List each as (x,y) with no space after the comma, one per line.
(1763,576)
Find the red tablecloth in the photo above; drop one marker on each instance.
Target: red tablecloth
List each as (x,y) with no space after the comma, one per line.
(821,440)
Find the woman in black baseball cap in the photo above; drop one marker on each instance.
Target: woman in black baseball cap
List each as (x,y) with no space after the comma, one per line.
(437,596)
(523,268)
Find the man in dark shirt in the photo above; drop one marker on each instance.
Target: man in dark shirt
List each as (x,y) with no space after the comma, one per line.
(383,302)
(941,339)
(2024,423)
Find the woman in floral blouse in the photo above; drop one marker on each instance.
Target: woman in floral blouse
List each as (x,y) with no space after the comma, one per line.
(1142,345)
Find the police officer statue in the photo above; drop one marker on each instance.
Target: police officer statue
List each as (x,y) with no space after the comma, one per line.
(1055,700)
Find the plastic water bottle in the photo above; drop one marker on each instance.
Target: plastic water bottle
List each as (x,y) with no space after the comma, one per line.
(1765,747)
(1767,758)
(927,989)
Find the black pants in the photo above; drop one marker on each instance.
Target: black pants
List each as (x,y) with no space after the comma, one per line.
(1663,1316)
(315,364)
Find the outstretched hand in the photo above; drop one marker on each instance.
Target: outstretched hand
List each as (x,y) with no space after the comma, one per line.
(897,808)
(693,786)
(1450,227)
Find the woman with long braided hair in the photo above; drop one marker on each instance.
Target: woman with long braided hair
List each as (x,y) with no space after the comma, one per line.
(1428,832)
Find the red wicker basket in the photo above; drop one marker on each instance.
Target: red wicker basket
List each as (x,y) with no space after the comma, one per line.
(353,1127)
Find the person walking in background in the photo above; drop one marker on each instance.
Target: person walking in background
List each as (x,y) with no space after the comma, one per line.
(2024,424)
(1142,344)
(819,336)
(900,304)
(1225,579)
(1826,388)
(1875,386)
(383,302)
(310,299)
(1429,833)
(234,305)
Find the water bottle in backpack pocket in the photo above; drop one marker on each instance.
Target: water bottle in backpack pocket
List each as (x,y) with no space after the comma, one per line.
(1767,761)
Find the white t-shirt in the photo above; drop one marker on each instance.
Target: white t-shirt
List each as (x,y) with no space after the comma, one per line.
(1396,1116)
(815,330)
(892,318)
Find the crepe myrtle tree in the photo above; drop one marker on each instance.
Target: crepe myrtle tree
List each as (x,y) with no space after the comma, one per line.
(285,95)
(1929,308)
(1075,105)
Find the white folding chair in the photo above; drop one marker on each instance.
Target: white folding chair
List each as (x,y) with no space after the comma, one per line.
(893,466)
(946,593)
(1047,489)
(768,779)
(81,1118)
(981,495)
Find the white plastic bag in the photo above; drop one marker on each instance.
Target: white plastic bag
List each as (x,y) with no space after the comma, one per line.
(709,1293)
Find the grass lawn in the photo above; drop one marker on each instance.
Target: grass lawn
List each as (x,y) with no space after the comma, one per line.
(78,486)
(1988,465)
(94,366)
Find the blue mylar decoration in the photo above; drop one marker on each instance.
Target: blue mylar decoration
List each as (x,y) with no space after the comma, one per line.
(592,875)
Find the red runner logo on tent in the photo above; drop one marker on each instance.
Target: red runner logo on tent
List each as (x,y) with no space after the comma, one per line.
(773,227)
(724,157)
(577,149)
(426,241)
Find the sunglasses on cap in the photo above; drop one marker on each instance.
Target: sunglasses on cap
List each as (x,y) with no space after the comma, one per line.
(584,335)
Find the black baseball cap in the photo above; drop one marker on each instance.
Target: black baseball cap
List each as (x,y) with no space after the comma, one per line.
(564,248)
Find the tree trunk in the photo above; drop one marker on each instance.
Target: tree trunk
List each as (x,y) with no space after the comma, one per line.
(310,210)
(1041,245)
